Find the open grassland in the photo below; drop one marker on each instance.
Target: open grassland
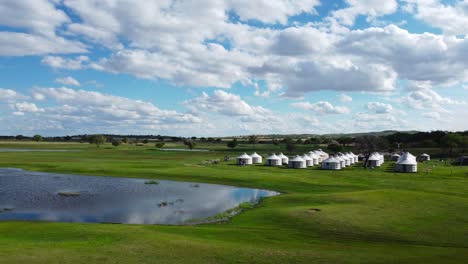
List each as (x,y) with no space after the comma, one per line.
(366,215)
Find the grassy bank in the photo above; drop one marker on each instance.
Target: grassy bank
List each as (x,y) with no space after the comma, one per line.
(363,216)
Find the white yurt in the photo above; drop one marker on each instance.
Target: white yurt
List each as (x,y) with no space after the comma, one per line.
(323,154)
(244,159)
(350,158)
(284,159)
(355,157)
(331,164)
(308,160)
(297,163)
(273,160)
(394,157)
(341,160)
(256,158)
(406,163)
(316,152)
(424,157)
(346,159)
(314,157)
(373,160)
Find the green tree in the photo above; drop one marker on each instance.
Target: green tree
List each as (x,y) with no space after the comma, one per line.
(98,140)
(116,143)
(290,146)
(190,144)
(335,147)
(232,144)
(253,139)
(159,145)
(37,138)
(125,140)
(451,141)
(19,137)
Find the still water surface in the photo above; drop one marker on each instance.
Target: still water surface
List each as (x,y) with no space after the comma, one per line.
(37,196)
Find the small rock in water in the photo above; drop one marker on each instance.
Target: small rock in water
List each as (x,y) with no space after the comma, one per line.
(151,182)
(195,185)
(69,193)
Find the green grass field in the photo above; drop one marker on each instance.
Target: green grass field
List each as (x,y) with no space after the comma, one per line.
(366,215)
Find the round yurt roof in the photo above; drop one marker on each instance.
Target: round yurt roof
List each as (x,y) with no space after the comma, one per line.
(297,158)
(255,155)
(373,157)
(407,162)
(424,155)
(338,158)
(395,155)
(273,157)
(244,156)
(331,160)
(281,155)
(361,155)
(313,155)
(306,157)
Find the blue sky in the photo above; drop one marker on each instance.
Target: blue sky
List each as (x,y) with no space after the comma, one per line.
(215,68)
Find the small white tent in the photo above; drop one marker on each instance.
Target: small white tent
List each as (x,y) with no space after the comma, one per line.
(256,158)
(314,157)
(273,160)
(308,160)
(297,163)
(355,157)
(373,160)
(331,164)
(346,158)
(244,159)
(406,163)
(424,157)
(284,159)
(341,160)
(394,157)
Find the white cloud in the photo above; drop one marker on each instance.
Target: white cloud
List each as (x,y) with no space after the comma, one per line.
(426,98)
(369,8)
(7,95)
(76,63)
(418,57)
(227,104)
(345,98)
(22,44)
(321,107)
(68,81)
(39,19)
(451,18)
(379,108)
(27,107)
(271,11)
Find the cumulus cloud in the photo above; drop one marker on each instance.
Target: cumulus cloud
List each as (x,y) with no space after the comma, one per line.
(426,98)
(27,107)
(379,108)
(369,8)
(225,103)
(321,107)
(452,18)
(68,81)
(57,62)
(79,111)
(345,98)
(40,26)
(7,95)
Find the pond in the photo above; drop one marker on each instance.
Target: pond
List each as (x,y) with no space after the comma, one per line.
(37,196)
